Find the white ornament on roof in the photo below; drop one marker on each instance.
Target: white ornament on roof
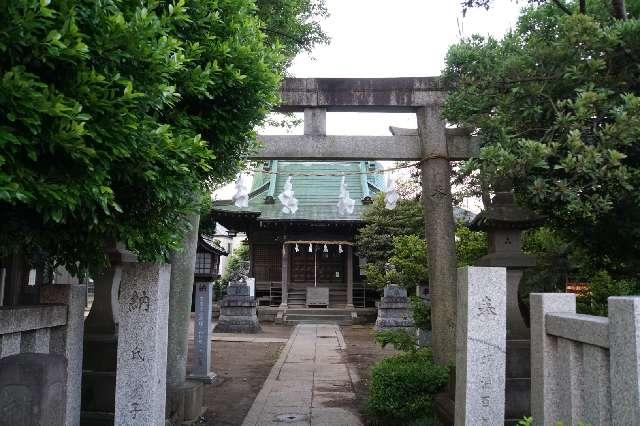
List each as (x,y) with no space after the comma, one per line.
(289,202)
(391,195)
(346,204)
(241,197)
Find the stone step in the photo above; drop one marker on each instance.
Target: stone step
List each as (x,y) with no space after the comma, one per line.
(330,311)
(295,317)
(319,321)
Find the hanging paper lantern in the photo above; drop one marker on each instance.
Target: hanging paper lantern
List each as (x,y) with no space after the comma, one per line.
(391,195)
(345,203)
(241,197)
(297,248)
(326,250)
(289,202)
(340,248)
(310,248)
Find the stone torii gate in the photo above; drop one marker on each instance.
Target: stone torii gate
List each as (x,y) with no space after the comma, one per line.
(432,144)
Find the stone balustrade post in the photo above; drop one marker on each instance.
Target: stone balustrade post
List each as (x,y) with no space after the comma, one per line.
(624,358)
(544,363)
(68,341)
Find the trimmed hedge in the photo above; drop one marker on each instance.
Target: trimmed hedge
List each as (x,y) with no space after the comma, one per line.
(402,386)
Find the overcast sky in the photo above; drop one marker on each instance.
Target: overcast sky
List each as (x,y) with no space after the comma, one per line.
(399,38)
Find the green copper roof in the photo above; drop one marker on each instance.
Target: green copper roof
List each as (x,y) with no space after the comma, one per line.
(317,195)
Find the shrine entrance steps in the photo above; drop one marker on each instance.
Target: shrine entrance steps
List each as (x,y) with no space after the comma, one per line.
(297,297)
(319,316)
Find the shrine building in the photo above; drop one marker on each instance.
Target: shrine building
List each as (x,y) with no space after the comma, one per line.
(295,258)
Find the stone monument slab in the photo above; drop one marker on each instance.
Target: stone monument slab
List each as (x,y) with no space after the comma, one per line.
(142,345)
(201,369)
(481,346)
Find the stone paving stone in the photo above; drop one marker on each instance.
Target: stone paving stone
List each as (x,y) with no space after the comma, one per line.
(290,396)
(330,399)
(333,417)
(332,386)
(330,371)
(308,381)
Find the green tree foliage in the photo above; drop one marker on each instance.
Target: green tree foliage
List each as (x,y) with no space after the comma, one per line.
(421,313)
(293,23)
(602,286)
(375,240)
(558,262)
(115,115)
(556,103)
(396,237)
(236,264)
(470,245)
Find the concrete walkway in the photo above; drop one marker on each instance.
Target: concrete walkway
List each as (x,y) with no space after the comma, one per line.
(310,384)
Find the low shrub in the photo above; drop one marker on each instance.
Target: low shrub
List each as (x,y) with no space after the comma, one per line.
(399,339)
(402,387)
(421,313)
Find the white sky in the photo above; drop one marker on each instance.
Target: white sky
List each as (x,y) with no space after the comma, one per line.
(382,38)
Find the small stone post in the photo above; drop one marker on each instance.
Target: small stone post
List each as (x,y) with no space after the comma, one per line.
(142,345)
(481,346)
(68,342)
(202,334)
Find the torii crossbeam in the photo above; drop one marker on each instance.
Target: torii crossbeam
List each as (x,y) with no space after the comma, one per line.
(432,144)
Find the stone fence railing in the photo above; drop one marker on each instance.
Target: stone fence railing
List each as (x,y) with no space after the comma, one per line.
(41,358)
(584,368)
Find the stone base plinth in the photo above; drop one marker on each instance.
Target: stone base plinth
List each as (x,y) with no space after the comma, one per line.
(384,324)
(393,310)
(188,405)
(237,324)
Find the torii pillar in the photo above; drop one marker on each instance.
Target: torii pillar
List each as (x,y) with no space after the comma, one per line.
(439,231)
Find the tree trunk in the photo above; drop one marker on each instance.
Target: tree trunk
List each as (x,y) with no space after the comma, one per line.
(181,287)
(619,10)
(583,6)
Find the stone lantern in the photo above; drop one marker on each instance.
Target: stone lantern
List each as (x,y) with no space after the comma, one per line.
(504,222)
(207,260)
